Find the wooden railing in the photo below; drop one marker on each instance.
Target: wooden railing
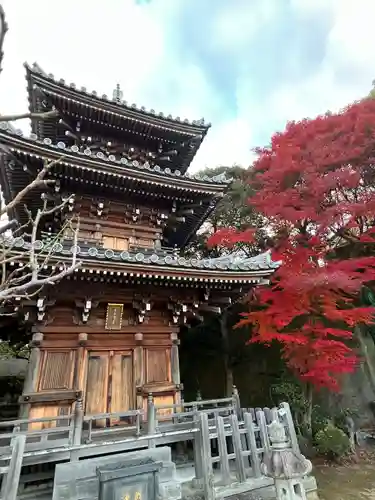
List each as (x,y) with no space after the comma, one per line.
(219,439)
(183,413)
(242,443)
(60,434)
(134,416)
(221,431)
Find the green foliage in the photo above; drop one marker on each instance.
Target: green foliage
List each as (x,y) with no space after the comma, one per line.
(233,210)
(8,350)
(292,391)
(332,442)
(320,419)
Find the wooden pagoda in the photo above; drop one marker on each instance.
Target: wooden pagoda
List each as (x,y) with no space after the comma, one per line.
(108,333)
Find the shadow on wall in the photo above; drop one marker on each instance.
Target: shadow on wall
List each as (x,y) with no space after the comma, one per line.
(202,365)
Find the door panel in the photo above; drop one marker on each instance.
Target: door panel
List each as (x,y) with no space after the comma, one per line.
(57,370)
(110,387)
(97,385)
(158,365)
(122,393)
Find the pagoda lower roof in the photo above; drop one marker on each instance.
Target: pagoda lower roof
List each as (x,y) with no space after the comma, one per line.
(67,98)
(153,265)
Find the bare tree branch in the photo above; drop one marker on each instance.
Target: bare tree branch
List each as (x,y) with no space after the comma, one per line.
(39,181)
(32,263)
(3,30)
(32,116)
(30,274)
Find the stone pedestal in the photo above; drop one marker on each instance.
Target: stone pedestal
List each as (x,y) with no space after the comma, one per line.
(138,475)
(129,479)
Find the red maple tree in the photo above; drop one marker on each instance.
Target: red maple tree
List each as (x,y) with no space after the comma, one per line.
(315,186)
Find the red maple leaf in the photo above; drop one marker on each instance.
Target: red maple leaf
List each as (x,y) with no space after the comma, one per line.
(314,185)
(228,237)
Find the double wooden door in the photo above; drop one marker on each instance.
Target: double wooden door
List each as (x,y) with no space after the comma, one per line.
(109,387)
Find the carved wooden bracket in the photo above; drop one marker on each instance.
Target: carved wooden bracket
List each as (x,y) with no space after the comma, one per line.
(41,304)
(86,306)
(178,310)
(142,305)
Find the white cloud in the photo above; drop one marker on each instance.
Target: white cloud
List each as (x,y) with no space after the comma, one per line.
(99,44)
(226,144)
(347,70)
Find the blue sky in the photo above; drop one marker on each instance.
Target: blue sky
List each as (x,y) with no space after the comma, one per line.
(247,66)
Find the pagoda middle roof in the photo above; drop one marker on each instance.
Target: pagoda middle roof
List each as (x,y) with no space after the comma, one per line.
(122,166)
(81,171)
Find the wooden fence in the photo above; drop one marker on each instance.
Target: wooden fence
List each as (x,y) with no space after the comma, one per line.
(240,447)
(225,437)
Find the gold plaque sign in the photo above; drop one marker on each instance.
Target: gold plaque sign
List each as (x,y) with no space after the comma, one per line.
(137,496)
(113,320)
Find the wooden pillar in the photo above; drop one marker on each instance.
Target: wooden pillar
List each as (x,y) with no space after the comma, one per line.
(31,379)
(175,361)
(175,366)
(139,370)
(79,364)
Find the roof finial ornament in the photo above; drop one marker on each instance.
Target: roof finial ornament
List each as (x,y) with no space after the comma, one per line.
(117,94)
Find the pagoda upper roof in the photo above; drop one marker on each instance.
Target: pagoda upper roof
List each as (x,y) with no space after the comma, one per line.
(232,268)
(128,117)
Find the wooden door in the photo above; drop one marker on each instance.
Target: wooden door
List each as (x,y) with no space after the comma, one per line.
(110,387)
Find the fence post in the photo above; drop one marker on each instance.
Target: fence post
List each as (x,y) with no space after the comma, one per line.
(236,402)
(12,478)
(207,476)
(261,420)
(151,419)
(290,426)
(255,461)
(197,446)
(77,428)
(78,422)
(285,466)
(223,451)
(237,445)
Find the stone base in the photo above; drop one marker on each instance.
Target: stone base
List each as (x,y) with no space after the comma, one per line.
(253,489)
(79,480)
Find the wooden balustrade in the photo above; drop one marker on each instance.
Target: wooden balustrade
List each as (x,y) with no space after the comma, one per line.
(221,431)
